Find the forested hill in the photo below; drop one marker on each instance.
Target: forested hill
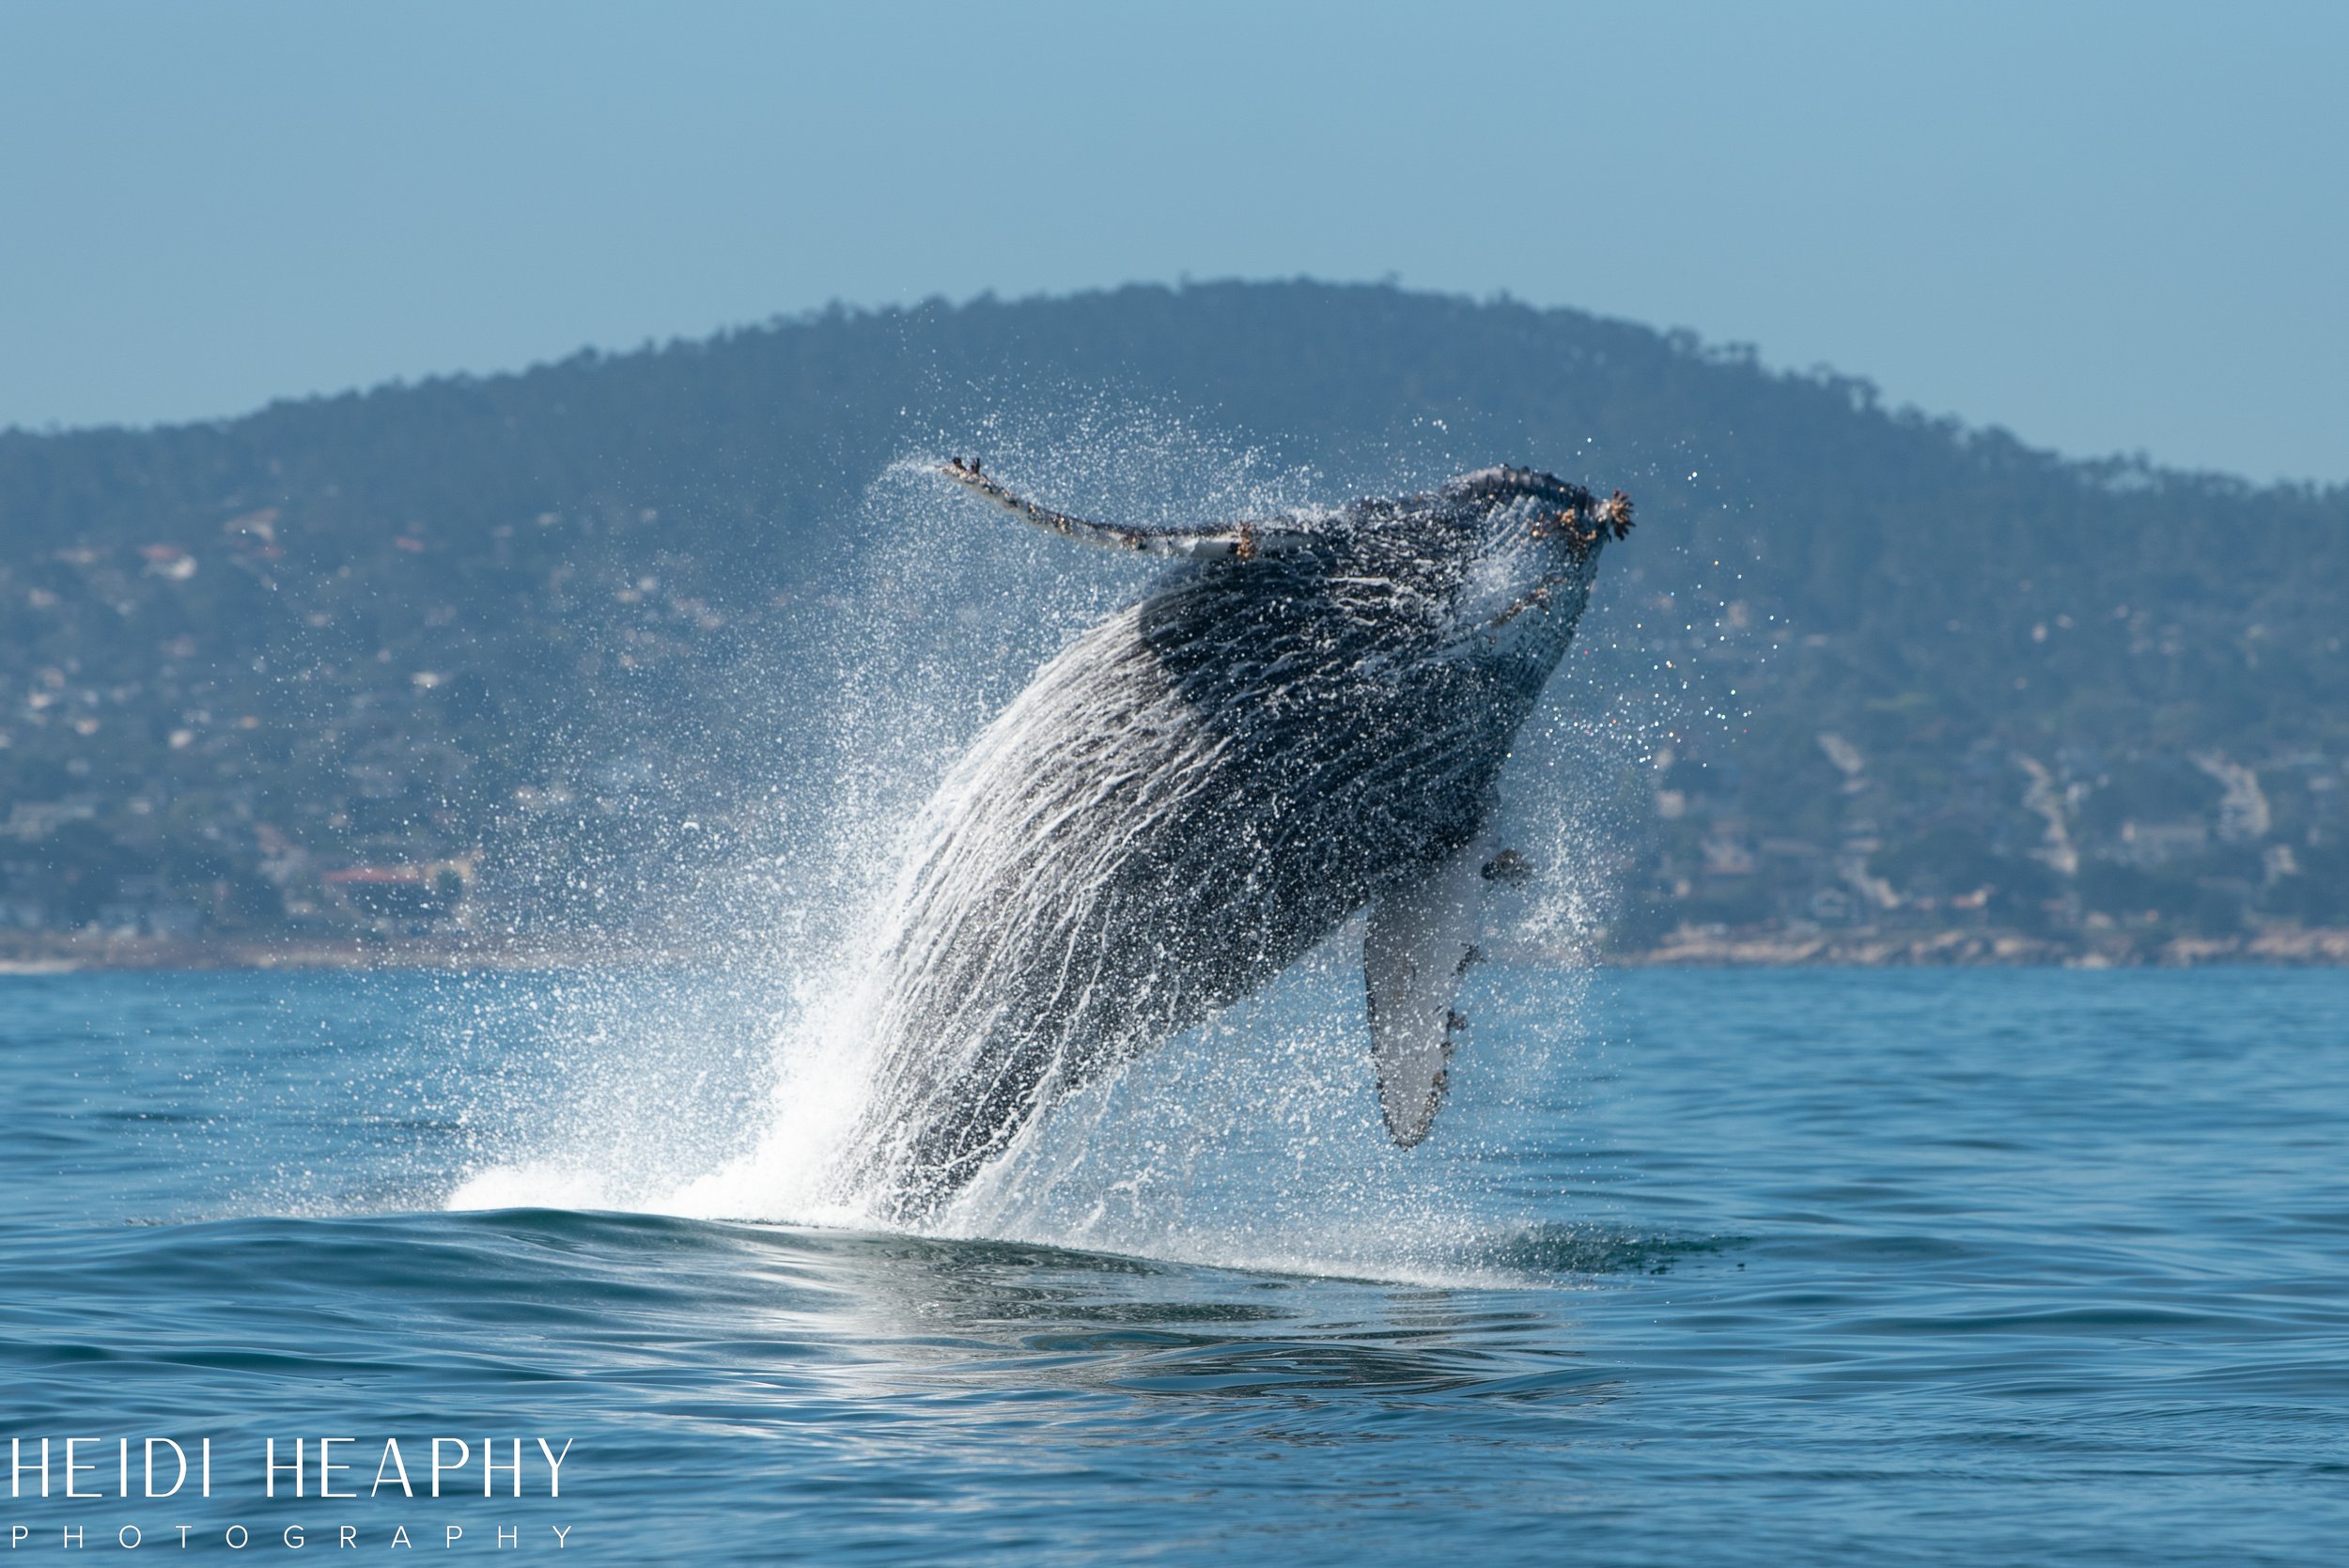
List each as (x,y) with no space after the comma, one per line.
(313,668)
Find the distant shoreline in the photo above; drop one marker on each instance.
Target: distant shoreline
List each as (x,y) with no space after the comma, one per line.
(1990,948)
(1984,948)
(77,955)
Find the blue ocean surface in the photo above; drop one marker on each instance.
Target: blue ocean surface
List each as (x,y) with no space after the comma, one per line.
(1798,1266)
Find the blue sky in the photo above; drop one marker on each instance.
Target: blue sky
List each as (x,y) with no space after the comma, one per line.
(2108,227)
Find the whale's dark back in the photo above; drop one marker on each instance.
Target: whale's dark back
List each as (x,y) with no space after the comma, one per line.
(1181,805)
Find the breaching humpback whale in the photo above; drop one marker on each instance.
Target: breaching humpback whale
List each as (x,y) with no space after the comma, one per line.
(1305,716)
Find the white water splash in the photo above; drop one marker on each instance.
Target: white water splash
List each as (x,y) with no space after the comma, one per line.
(1252,1141)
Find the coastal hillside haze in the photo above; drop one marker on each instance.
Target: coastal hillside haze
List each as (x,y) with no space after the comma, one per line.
(388,663)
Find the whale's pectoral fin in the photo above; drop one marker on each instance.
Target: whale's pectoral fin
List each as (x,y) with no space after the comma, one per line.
(1230,540)
(1421,939)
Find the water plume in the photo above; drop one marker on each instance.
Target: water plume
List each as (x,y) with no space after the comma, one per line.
(1250,1137)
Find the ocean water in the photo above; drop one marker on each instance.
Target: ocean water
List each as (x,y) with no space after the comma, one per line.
(1811,1266)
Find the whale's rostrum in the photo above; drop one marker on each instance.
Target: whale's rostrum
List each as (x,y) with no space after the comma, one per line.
(1305,716)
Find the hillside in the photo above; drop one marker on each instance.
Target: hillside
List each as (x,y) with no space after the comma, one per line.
(384,661)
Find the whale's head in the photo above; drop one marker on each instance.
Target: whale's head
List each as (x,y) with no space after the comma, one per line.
(1523,551)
